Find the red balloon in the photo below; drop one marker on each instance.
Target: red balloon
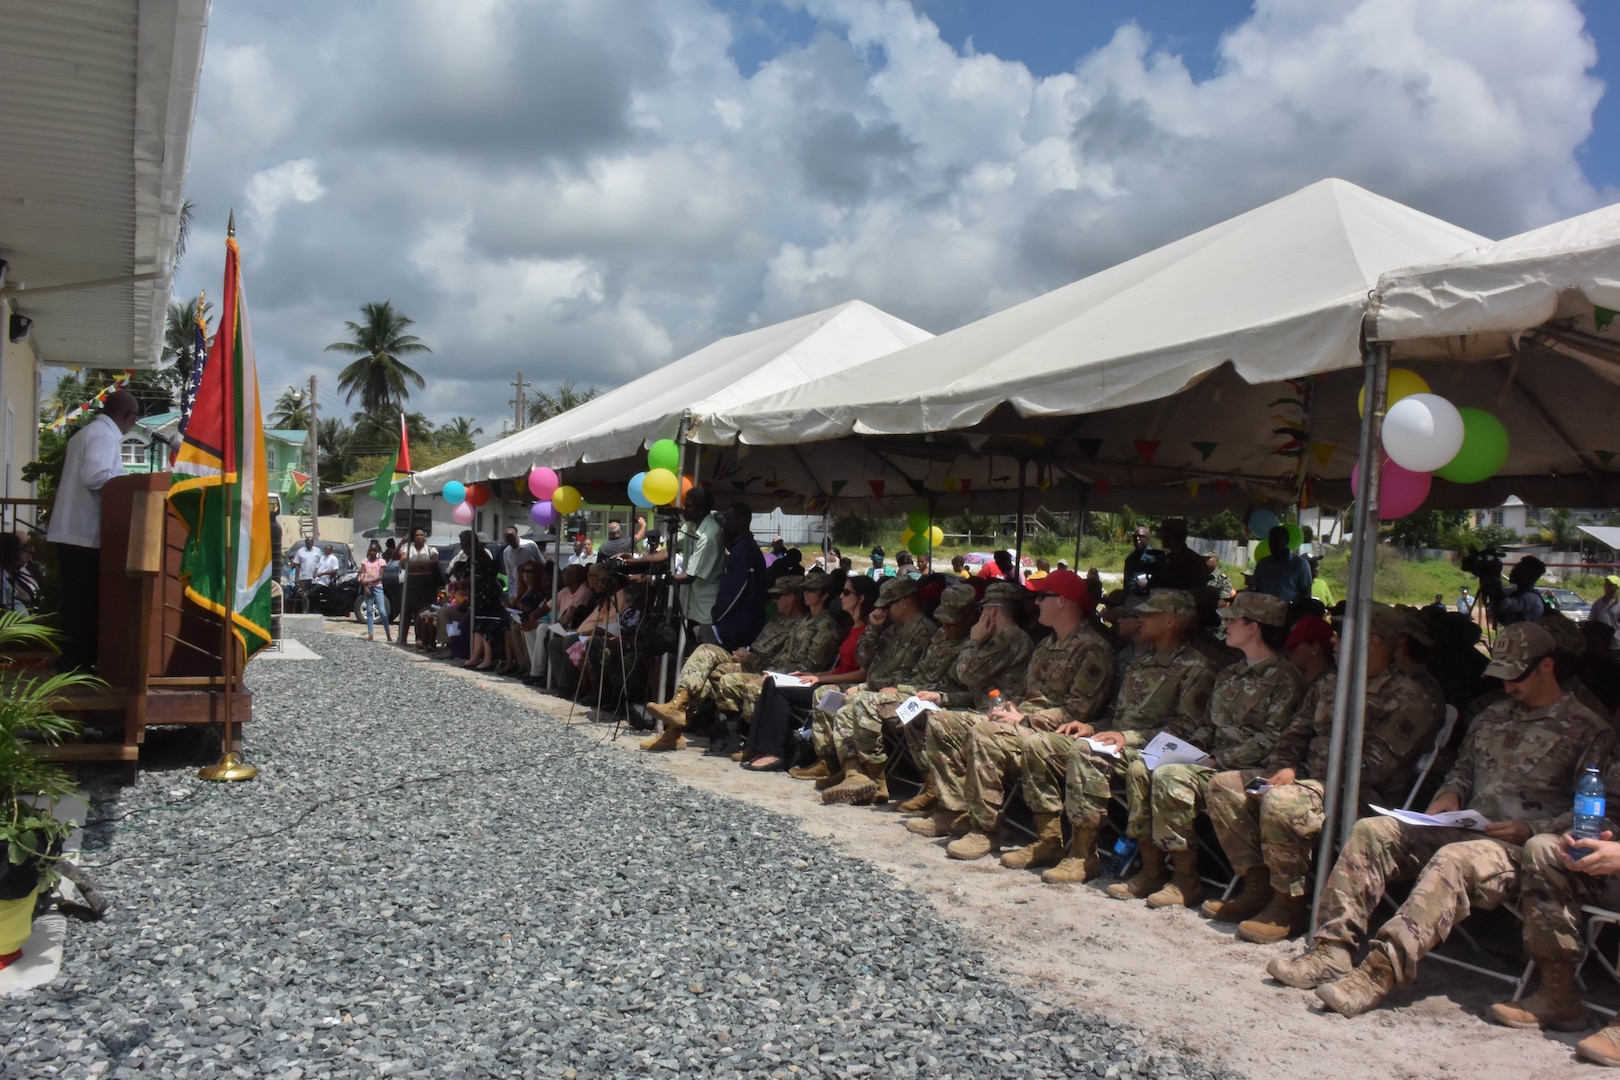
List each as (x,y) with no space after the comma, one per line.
(477,494)
(1400,491)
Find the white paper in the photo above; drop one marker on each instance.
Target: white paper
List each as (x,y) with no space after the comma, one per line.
(1103,748)
(913,707)
(1169,750)
(782,678)
(831,701)
(1455,819)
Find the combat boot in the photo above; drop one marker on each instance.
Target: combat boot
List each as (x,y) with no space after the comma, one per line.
(1147,880)
(1283,918)
(1045,850)
(672,711)
(1186,888)
(1556,1004)
(835,776)
(1363,988)
(975,845)
(923,801)
(1081,864)
(670,739)
(811,772)
(1322,963)
(1603,1048)
(856,789)
(941,822)
(1252,898)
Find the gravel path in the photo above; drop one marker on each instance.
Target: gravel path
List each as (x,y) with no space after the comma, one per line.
(426,881)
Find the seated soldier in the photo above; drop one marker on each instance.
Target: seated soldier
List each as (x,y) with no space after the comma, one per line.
(1269,838)
(873,712)
(1166,688)
(1517,768)
(1250,704)
(994,659)
(1068,680)
(700,675)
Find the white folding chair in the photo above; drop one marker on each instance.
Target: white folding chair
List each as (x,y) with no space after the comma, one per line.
(1426,763)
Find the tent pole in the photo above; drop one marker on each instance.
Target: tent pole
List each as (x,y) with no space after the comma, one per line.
(670,606)
(1023,487)
(1080,529)
(1350,693)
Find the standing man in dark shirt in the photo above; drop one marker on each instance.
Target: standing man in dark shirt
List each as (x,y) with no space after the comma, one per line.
(1142,563)
(616,544)
(1182,567)
(739,608)
(1522,603)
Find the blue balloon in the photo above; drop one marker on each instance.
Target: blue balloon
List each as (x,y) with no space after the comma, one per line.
(636,496)
(454,492)
(1262,521)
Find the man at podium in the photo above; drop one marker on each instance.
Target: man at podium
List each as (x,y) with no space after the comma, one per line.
(93,458)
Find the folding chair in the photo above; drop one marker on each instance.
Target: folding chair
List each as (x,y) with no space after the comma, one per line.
(1425,763)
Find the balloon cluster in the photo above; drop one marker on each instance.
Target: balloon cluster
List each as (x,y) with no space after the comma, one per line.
(553,498)
(921,535)
(1426,436)
(658,485)
(1262,521)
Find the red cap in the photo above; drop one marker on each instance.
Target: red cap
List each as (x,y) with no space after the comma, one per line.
(1067,584)
(1309,628)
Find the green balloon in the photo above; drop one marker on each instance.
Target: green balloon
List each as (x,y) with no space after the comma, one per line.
(664,454)
(919,544)
(1484,449)
(917,521)
(1296,536)
(1261,550)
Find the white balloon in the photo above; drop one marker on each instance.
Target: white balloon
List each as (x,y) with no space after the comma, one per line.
(1423,432)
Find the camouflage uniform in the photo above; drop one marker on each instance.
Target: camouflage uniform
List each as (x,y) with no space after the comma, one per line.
(1515,765)
(822,739)
(872,712)
(997,664)
(731,687)
(1248,709)
(896,661)
(811,645)
(1281,827)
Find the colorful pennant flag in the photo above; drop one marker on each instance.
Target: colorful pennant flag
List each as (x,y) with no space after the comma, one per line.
(1205,449)
(392,480)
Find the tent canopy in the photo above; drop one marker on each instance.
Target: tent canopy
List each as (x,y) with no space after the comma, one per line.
(618,425)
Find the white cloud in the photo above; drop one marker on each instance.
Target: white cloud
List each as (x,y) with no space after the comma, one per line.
(270,189)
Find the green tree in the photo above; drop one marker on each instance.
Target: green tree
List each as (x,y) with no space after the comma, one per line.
(379,376)
(458,434)
(179,328)
(567,396)
(290,412)
(1561,530)
(1223,526)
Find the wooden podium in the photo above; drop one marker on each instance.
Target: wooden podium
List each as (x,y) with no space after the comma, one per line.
(159,652)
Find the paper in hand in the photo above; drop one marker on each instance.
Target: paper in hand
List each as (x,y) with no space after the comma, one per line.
(1455,819)
(782,678)
(1169,750)
(1102,747)
(914,706)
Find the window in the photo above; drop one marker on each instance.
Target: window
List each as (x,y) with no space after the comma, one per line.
(132,453)
(1496,517)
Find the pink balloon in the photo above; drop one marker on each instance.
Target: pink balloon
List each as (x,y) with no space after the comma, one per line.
(1400,491)
(542,513)
(463,513)
(542,482)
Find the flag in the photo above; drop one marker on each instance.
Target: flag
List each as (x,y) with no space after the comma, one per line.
(199,357)
(297,483)
(392,480)
(220,486)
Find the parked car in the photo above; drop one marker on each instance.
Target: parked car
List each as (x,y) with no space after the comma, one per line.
(338,596)
(1567,603)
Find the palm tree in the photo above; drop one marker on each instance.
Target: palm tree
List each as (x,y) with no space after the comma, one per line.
(378,432)
(459,432)
(379,340)
(179,335)
(290,411)
(183,232)
(545,406)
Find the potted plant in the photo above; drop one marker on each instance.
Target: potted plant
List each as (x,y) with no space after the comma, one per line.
(31,836)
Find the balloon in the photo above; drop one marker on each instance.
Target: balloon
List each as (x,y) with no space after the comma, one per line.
(542,514)
(664,454)
(542,482)
(936,535)
(1484,449)
(463,513)
(905,538)
(660,486)
(1262,521)
(1296,536)
(1402,384)
(919,544)
(477,495)
(454,491)
(1400,491)
(687,484)
(1422,432)
(1261,550)
(566,499)
(917,520)
(637,495)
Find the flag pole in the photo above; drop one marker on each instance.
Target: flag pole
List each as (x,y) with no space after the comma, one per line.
(230,767)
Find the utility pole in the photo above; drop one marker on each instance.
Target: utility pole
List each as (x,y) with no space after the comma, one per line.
(314,466)
(519,404)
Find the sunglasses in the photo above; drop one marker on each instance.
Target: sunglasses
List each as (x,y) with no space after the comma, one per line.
(847,592)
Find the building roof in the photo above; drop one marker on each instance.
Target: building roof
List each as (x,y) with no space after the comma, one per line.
(294,436)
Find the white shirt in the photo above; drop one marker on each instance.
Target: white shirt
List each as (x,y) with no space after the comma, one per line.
(527,551)
(307,561)
(329,568)
(93,458)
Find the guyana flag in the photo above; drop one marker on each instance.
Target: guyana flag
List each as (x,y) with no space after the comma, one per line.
(392,480)
(220,487)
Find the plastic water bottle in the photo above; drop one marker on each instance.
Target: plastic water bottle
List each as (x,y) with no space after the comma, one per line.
(1124,855)
(1591,802)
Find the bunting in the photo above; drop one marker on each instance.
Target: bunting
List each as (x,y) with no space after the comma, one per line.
(1147,450)
(1205,449)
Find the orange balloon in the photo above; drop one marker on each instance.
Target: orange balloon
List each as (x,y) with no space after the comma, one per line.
(687,484)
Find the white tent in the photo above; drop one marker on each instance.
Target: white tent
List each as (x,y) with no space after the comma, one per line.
(618,425)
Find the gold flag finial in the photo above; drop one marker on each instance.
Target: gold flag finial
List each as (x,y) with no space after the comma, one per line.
(230,228)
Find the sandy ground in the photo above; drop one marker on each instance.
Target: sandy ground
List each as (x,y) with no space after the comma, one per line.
(1173,975)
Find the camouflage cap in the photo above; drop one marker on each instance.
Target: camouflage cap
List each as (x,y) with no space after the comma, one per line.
(791,583)
(957,604)
(896,588)
(817,581)
(1003,592)
(1565,634)
(1415,625)
(1517,647)
(1386,622)
(1131,606)
(1168,602)
(1259,606)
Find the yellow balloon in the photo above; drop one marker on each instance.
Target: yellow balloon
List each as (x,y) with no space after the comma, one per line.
(905,538)
(566,499)
(1402,383)
(660,486)
(936,536)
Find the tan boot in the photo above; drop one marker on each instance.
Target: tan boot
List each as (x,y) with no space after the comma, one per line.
(1322,963)
(669,739)
(672,711)
(879,775)
(1251,899)
(835,776)
(1081,864)
(923,801)
(941,822)
(1555,1005)
(1185,888)
(1363,988)
(1283,918)
(810,772)
(1146,881)
(857,787)
(1603,1048)
(975,845)
(1046,849)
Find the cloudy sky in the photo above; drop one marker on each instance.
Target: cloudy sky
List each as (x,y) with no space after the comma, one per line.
(586,189)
